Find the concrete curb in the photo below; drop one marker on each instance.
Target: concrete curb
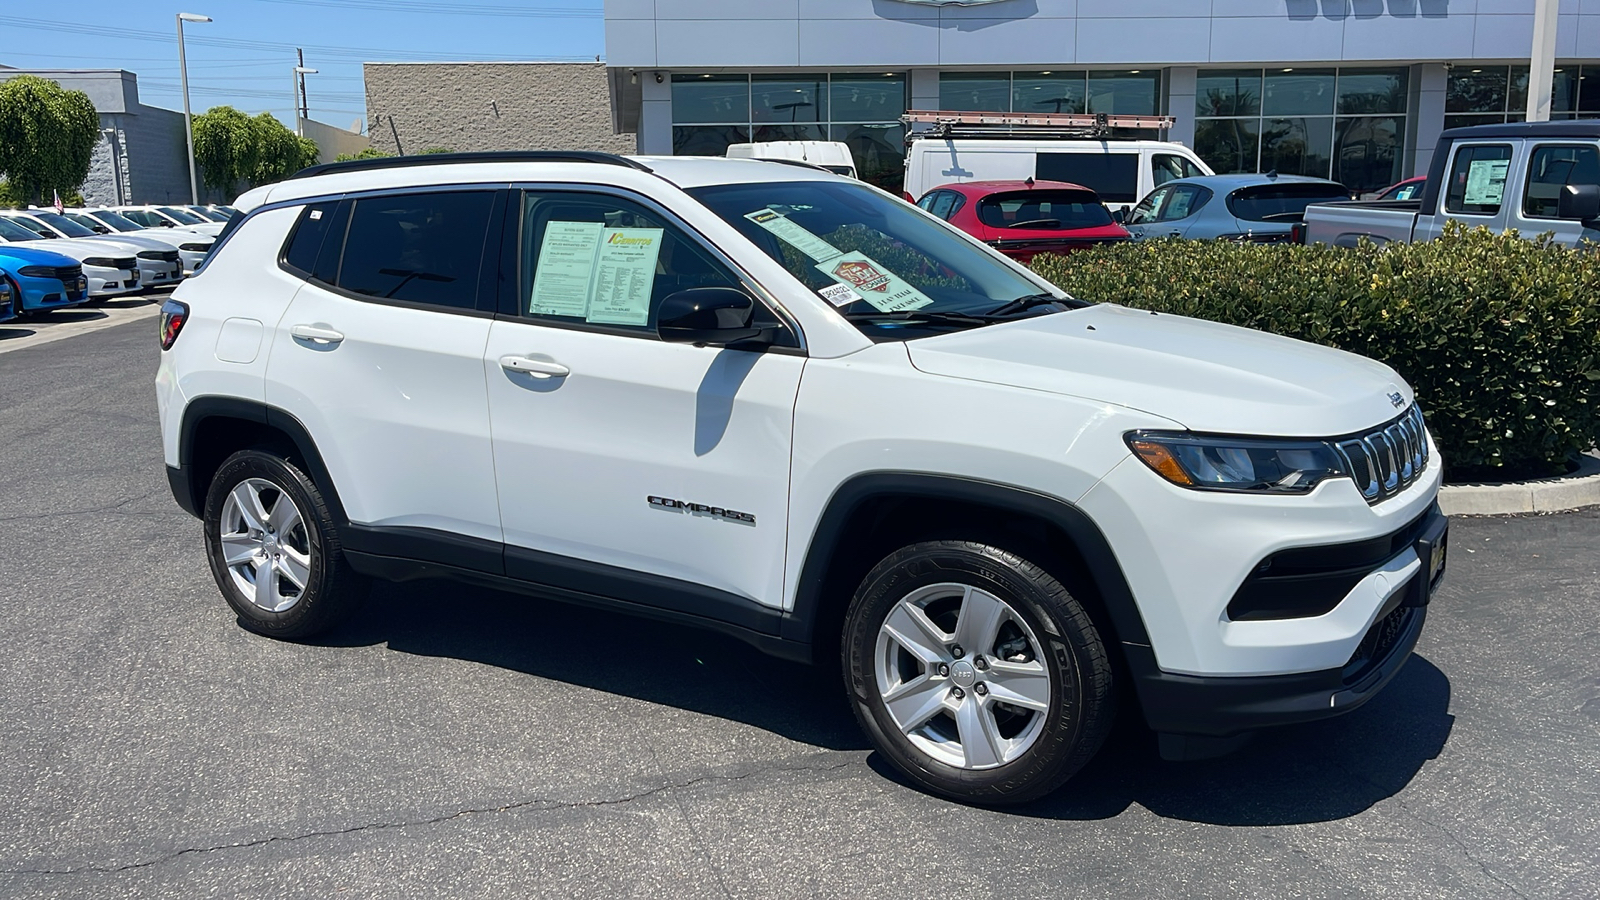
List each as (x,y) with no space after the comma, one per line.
(1564,492)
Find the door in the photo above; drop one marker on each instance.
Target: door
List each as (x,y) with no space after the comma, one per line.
(1551,167)
(380,356)
(630,467)
(1168,212)
(1475,191)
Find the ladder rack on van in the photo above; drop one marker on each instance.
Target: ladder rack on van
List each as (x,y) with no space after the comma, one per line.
(1025,125)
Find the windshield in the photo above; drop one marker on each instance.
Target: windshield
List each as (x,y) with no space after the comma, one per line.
(63,224)
(29,225)
(206,214)
(11,231)
(182,215)
(116,221)
(1044,210)
(872,256)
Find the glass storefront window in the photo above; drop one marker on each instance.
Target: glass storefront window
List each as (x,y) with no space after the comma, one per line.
(1049,92)
(1296,146)
(1228,92)
(788,132)
(1367,151)
(787,99)
(707,140)
(1228,145)
(1130,93)
(879,151)
(707,99)
(975,91)
(1364,91)
(1298,92)
(867,98)
(1480,89)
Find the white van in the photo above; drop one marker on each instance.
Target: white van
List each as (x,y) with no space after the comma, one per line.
(1120,171)
(831,155)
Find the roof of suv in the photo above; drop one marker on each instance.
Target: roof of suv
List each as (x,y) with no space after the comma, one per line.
(478,168)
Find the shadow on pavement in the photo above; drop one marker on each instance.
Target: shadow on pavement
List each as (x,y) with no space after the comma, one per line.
(1299,774)
(658,662)
(9,332)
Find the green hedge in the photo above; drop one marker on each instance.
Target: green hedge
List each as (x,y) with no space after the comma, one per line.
(1499,336)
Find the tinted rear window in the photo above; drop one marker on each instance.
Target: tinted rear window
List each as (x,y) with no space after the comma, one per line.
(306,242)
(1281,202)
(1114,176)
(1044,210)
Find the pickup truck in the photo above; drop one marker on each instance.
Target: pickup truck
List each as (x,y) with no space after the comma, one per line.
(1535,177)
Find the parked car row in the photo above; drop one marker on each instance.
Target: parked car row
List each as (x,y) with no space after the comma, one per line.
(52,260)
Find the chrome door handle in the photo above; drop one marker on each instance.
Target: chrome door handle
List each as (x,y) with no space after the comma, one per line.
(538,368)
(317,334)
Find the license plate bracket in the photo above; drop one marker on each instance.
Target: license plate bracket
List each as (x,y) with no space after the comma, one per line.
(1432,550)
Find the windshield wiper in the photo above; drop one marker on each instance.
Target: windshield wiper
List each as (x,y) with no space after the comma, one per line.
(917,315)
(1031,301)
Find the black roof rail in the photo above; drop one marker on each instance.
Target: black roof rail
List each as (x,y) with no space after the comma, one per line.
(489,156)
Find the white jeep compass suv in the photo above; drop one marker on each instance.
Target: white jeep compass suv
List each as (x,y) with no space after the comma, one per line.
(785,405)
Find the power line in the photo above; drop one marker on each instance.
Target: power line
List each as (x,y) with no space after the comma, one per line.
(354,53)
(452,9)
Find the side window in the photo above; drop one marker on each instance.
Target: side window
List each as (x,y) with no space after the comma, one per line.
(305,241)
(1478,179)
(600,260)
(1552,167)
(1165,167)
(928,200)
(945,206)
(1113,175)
(1408,192)
(1185,201)
(1149,207)
(419,248)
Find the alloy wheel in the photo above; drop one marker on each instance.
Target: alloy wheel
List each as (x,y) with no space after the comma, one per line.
(265,545)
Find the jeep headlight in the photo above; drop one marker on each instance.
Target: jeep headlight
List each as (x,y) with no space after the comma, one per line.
(1244,465)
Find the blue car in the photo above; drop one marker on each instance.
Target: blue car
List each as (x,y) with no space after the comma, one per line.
(8,309)
(1261,209)
(41,280)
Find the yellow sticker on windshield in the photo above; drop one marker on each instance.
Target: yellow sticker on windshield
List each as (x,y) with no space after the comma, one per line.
(884,290)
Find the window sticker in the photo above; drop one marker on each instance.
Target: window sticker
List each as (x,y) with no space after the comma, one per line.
(792,234)
(315,214)
(884,290)
(1486,182)
(839,295)
(624,276)
(564,277)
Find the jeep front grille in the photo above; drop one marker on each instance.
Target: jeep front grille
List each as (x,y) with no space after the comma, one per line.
(1388,460)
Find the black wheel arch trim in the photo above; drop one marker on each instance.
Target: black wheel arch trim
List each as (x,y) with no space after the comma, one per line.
(191,495)
(852,495)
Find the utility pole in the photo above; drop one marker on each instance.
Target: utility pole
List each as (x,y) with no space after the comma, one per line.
(188,119)
(1542,60)
(305,104)
(300,73)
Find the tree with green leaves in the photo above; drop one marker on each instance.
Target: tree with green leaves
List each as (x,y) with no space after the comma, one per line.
(364,153)
(47,136)
(233,148)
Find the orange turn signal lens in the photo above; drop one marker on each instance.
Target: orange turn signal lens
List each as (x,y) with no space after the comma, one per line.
(1161,459)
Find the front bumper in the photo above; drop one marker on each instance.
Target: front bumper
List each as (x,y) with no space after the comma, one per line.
(1216,707)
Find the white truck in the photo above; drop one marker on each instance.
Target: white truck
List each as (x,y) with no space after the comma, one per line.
(1536,178)
(834,156)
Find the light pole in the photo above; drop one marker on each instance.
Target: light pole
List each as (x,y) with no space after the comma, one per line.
(1542,60)
(188,119)
(300,73)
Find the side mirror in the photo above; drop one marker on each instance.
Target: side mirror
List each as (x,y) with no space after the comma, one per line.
(1579,201)
(709,315)
(100,229)
(1119,216)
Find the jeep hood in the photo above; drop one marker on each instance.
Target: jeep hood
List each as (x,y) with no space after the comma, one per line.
(1205,376)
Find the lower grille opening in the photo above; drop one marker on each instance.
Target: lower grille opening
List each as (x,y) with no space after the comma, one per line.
(1375,647)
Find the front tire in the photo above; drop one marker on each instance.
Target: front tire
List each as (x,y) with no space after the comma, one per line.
(976,672)
(274,549)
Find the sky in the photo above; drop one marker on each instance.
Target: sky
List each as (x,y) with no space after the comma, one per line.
(245,57)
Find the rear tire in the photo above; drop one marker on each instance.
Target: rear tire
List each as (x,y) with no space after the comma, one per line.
(976,672)
(274,548)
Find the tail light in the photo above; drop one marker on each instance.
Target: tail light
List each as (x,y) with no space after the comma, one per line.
(173,315)
(1297,233)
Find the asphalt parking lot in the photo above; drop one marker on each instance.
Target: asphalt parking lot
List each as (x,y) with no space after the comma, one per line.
(455,742)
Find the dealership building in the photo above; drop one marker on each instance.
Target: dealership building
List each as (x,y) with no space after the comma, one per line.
(1356,90)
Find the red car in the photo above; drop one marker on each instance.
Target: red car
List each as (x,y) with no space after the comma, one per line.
(1410,189)
(1024,218)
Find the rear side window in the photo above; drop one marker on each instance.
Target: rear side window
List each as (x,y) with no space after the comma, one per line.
(1184,201)
(419,248)
(1477,183)
(1281,202)
(942,203)
(1113,176)
(1553,167)
(1043,210)
(305,242)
